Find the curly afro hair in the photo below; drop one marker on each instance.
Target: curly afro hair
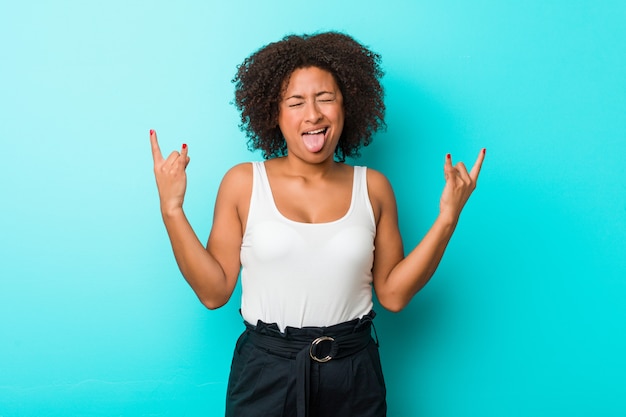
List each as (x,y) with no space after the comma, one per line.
(261,78)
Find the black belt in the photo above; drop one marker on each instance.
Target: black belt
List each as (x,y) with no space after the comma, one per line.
(326,347)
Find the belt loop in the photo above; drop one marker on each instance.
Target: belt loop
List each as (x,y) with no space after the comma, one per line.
(375,334)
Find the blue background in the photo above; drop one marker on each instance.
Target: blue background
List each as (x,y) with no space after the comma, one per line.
(526,315)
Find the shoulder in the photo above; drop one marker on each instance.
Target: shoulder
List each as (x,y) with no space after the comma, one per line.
(240,171)
(238,176)
(237,182)
(377,183)
(233,197)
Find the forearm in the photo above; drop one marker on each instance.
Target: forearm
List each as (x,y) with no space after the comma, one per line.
(415,270)
(200,269)
(397,278)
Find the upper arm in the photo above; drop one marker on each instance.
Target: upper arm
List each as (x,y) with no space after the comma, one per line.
(388,249)
(230,215)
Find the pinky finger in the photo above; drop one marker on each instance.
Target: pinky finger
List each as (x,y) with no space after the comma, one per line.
(184,153)
(478,164)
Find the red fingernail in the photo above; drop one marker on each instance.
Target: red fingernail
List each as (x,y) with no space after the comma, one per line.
(151,132)
(448,156)
(184,146)
(484,151)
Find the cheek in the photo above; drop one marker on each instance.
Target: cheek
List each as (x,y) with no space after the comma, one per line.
(284,123)
(341,115)
(340,119)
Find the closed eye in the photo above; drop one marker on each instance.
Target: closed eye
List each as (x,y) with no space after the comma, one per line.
(325,97)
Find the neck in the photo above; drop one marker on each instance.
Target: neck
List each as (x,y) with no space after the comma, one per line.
(298,167)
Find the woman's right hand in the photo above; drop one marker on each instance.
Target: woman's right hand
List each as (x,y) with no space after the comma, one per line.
(170,175)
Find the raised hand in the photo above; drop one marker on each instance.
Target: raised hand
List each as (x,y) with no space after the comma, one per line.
(459,185)
(170,175)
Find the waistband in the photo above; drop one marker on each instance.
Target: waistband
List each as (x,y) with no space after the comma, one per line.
(307,344)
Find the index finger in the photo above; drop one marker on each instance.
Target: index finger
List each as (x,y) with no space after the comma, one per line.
(478,164)
(156,151)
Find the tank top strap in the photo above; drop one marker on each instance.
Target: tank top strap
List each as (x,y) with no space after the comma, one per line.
(260,183)
(261,199)
(361,194)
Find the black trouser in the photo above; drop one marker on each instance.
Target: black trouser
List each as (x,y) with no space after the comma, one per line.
(276,374)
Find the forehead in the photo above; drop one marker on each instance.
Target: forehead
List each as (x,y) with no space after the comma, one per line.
(310,79)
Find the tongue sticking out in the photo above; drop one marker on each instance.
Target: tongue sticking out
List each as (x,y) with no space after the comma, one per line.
(313,143)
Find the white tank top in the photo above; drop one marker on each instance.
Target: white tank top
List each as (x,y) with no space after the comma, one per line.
(306,274)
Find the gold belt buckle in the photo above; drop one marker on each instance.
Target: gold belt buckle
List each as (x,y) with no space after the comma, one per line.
(317,342)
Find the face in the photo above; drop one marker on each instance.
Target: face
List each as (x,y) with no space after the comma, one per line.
(311,114)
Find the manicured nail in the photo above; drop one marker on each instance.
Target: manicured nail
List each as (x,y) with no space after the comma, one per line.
(448,156)
(151,132)
(184,146)
(484,151)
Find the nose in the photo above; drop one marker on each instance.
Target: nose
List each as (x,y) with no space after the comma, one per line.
(313,113)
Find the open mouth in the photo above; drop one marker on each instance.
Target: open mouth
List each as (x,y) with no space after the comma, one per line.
(314,140)
(317,132)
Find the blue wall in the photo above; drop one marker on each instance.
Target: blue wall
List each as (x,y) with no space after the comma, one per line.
(526,315)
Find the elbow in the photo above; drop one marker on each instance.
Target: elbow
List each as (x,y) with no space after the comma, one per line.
(212,303)
(393,304)
(213,296)
(394,307)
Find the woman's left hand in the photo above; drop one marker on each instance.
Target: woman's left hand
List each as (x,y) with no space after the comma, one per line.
(459,185)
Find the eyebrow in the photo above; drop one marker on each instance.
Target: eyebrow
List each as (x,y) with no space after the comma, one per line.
(321,93)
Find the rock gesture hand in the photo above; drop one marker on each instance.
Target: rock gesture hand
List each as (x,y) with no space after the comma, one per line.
(459,185)
(170,175)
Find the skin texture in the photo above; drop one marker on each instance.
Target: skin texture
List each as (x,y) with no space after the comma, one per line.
(308,187)
(261,79)
(311,101)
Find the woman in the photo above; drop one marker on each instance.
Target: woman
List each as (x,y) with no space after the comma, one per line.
(310,234)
